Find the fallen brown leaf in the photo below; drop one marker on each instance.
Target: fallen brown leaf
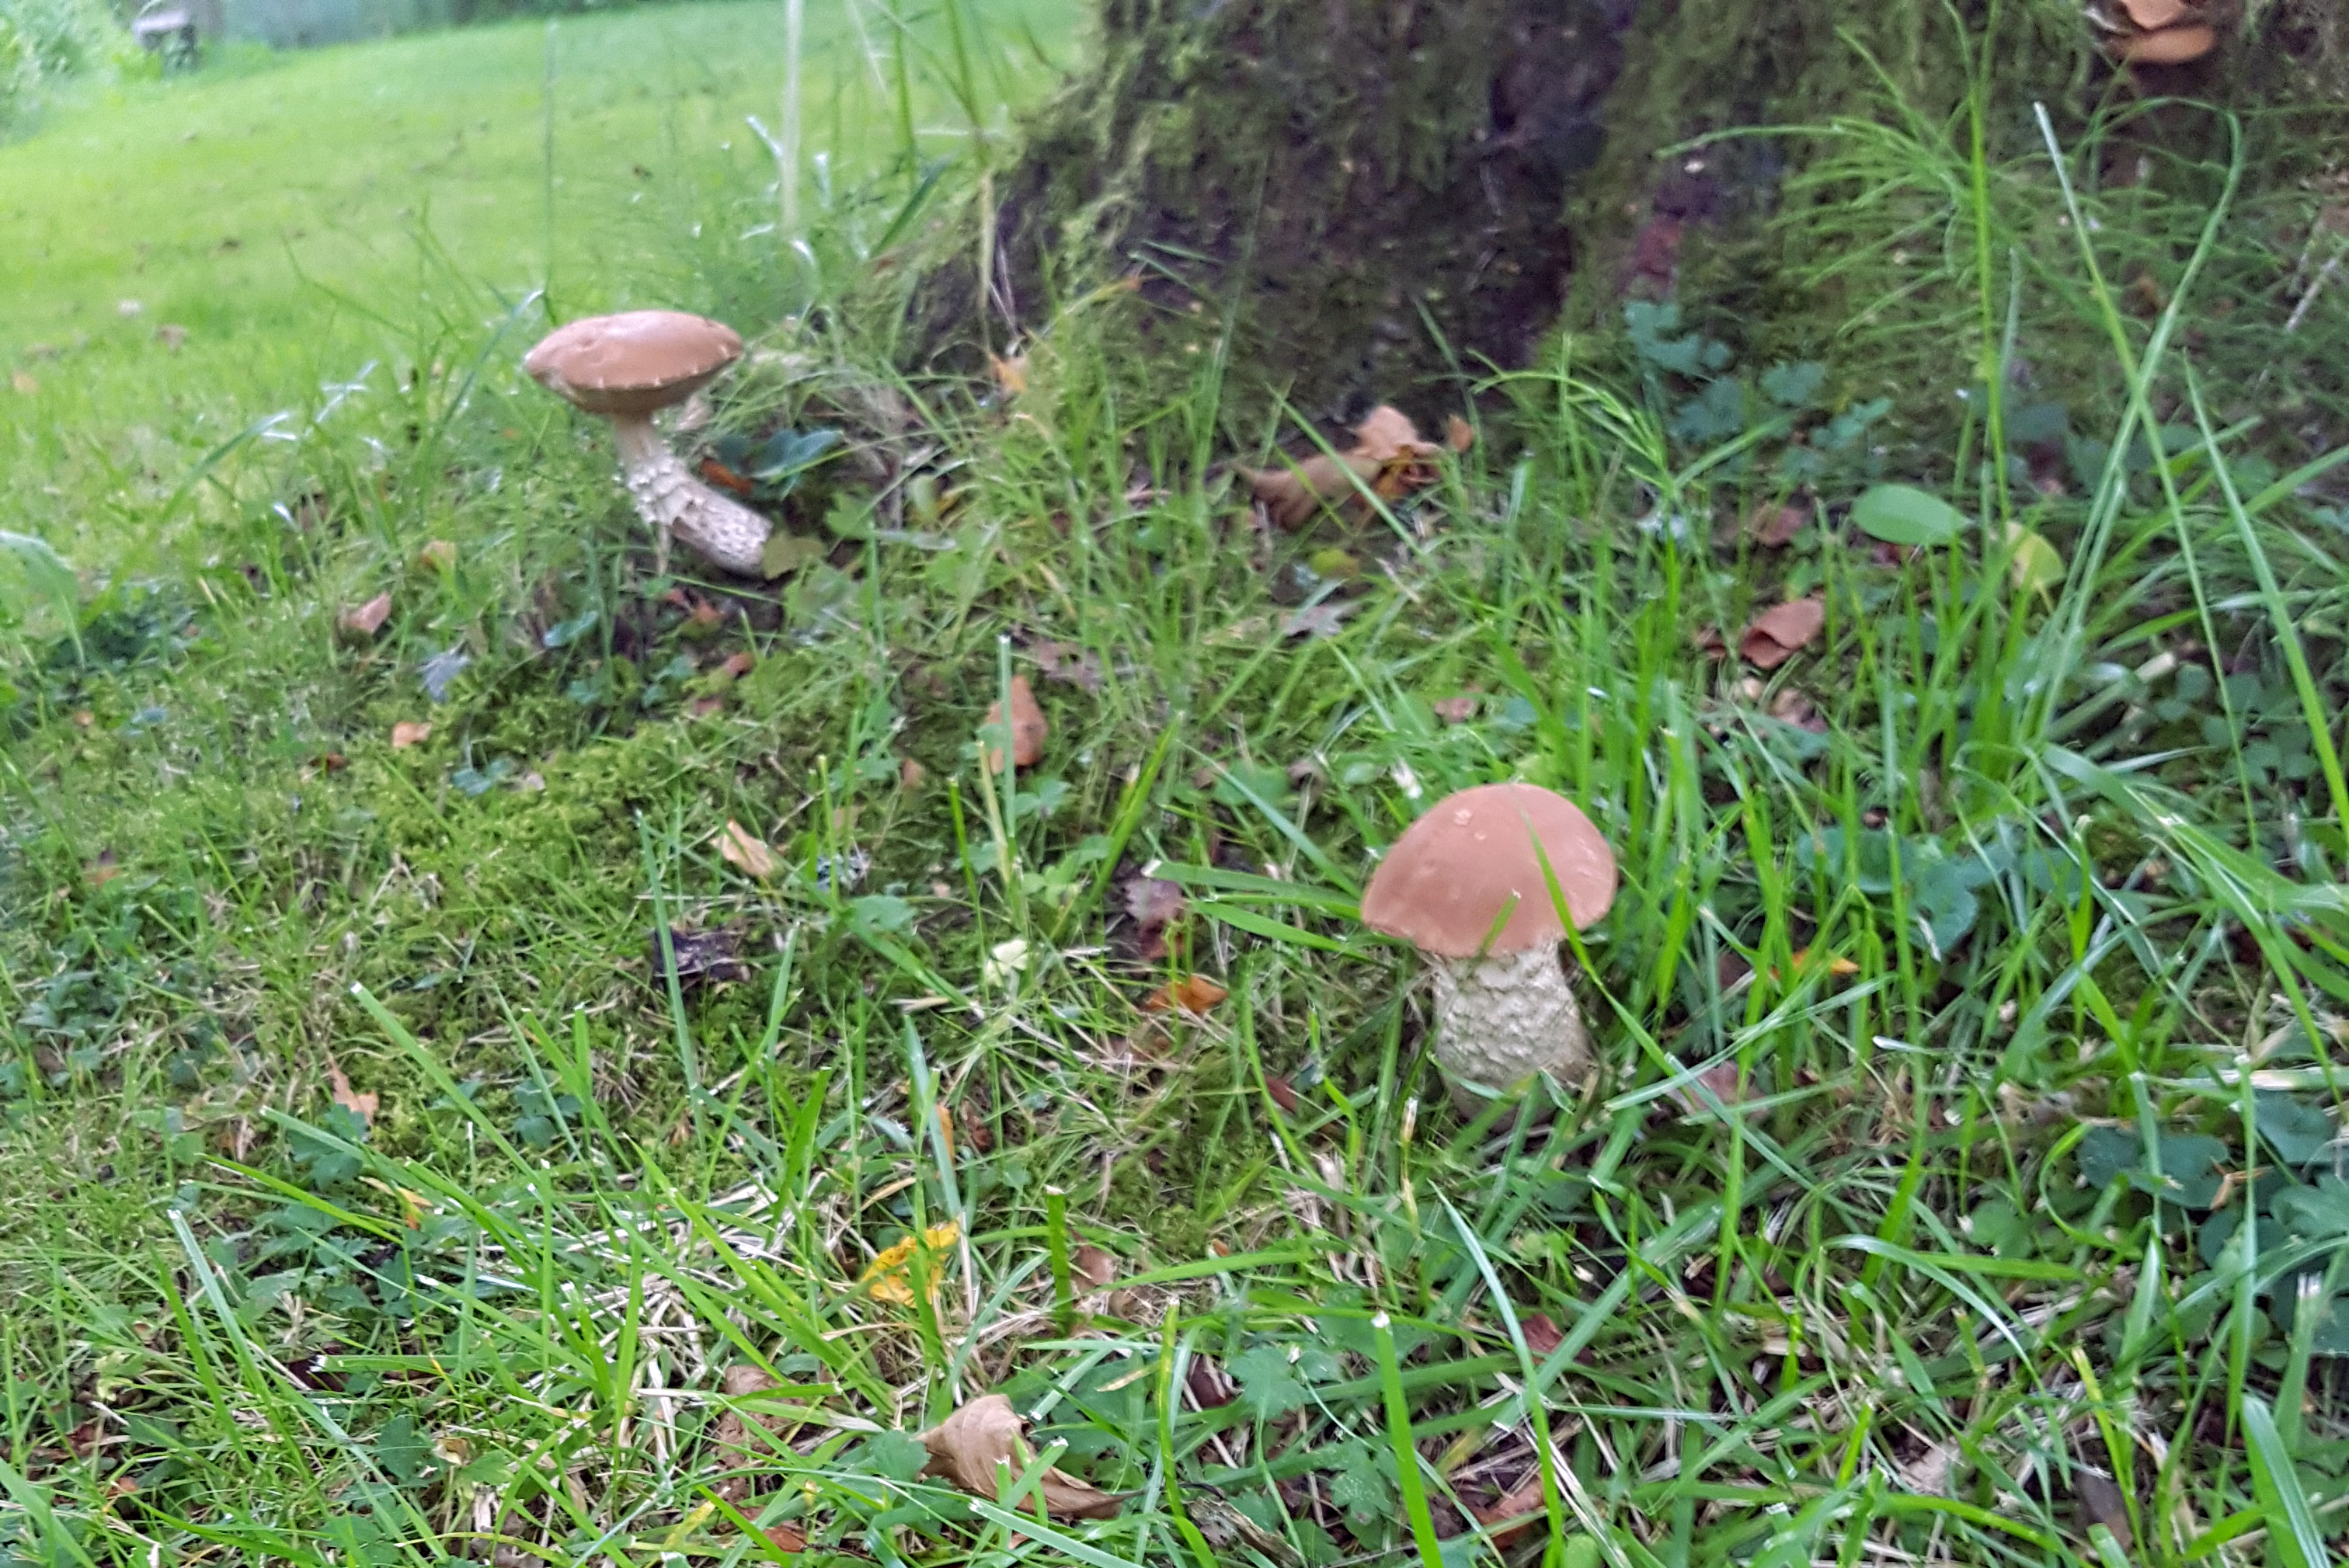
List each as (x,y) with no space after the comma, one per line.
(1775,526)
(364,619)
(703,958)
(439,555)
(787,1538)
(705,616)
(1790,705)
(1210,1385)
(1093,1266)
(1542,1333)
(1283,1092)
(1194,994)
(1515,1513)
(1321,620)
(1455,709)
(362,1106)
(2153,15)
(1028,728)
(910,775)
(746,852)
(1070,665)
(1458,433)
(408,733)
(1010,372)
(1291,496)
(1780,632)
(982,1447)
(1154,906)
(716,473)
(737,666)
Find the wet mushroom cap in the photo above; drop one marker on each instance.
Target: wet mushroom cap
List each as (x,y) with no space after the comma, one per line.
(1447,880)
(633,363)
(2170,46)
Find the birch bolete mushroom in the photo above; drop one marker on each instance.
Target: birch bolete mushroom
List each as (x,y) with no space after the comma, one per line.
(628,367)
(1466,885)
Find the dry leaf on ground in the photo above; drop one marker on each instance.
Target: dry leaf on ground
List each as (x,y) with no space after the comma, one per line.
(408,733)
(787,1538)
(1458,433)
(1194,994)
(911,774)
(1010,372)
(1774,527)
(1456,710)
(1069,664)
(362,1106)
(747,853)
(439,555)
(1095,1267)
(1388,457)
(703,958)
(1154,906)
(1321,620)
(982,1448)
(364,619)
(1283,1092)
(1515,1513)
(889,1276)
(2156,13)
(1027,727)
(1542,1333)
(1780,632)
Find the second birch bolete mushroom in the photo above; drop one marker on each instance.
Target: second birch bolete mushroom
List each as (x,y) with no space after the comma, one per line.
(628,368)
(1466,885)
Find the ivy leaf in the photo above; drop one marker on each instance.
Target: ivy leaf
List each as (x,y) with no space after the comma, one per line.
(1902,514)
(2311,1211)
(400,1449)
(2104,1153)
(1794,386)
(2297,1133)
(1268,1388)
(1359,1485)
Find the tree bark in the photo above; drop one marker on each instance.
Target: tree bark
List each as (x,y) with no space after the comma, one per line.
(1373,193)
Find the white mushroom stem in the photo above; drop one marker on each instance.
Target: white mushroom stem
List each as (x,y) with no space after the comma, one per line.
(723,533)
(1502,1019)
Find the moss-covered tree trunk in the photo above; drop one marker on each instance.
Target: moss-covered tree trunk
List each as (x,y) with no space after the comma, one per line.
(1377,191)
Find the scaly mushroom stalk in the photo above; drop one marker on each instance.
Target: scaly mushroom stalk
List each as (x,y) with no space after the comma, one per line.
(672,501)
(1503,1019)
(1484,885)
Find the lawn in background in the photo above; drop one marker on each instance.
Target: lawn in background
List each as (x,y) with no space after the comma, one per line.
(293,217)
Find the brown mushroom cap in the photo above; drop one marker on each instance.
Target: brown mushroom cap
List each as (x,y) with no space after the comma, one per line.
(2170,46)
(632,362)
(1452,874)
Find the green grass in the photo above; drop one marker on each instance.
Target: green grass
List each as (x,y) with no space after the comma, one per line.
(1963,965)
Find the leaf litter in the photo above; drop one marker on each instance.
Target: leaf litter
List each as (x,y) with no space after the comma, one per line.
(983,1447)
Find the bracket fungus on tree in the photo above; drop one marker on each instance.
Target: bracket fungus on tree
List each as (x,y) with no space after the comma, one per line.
(1466,885)
(628,367)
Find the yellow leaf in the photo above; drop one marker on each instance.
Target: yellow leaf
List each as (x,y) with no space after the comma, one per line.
(2035,565)
(888,1278)
(746,853)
